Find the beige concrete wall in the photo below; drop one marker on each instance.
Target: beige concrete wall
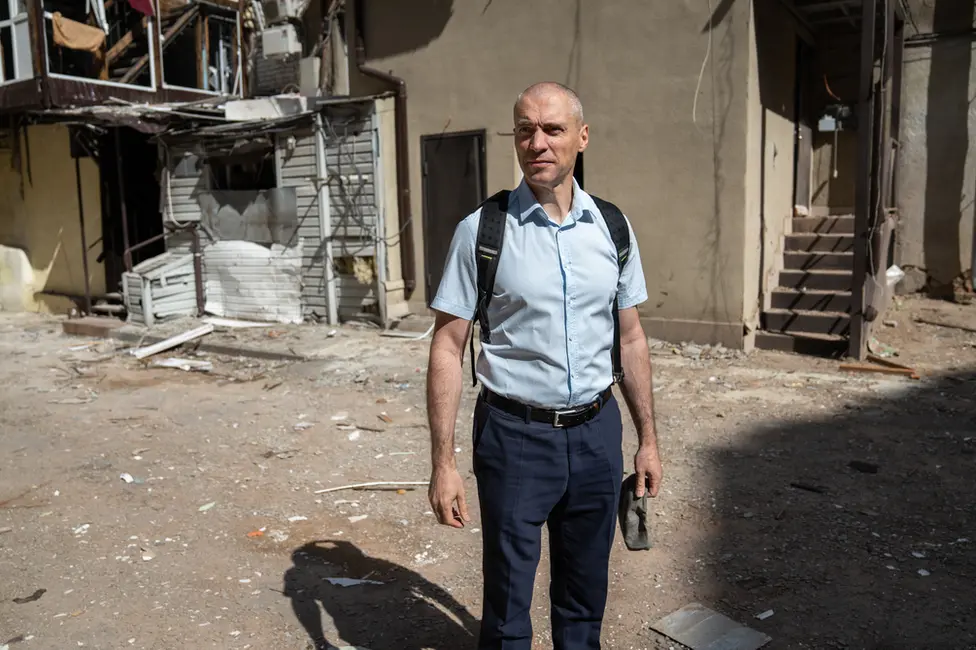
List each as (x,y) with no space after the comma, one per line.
(937,159)
(39,223)
(396,304)
(680,178)
(776,50)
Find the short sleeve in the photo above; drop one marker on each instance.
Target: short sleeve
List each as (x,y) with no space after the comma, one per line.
(458,291)
(631,287)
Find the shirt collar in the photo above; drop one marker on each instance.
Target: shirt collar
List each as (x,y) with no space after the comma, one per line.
(526,206)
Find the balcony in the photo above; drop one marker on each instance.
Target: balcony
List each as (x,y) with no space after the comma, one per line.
(144,51)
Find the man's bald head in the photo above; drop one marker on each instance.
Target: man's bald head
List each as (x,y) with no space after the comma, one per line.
(546,89)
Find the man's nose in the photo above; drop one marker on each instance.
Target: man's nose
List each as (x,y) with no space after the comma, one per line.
(538,141)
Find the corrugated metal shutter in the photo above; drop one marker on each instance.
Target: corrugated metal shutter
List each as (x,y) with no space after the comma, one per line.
(187,176)
(298,168)
(350,157)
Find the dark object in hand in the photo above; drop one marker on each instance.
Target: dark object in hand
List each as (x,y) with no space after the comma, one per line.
(633,516)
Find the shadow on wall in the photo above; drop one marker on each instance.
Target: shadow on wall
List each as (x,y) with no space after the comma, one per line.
(405,612)
(391,29)
(861,532)
(947,143)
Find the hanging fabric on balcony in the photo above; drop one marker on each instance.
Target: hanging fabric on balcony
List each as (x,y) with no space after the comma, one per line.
(143,6)
(77,36)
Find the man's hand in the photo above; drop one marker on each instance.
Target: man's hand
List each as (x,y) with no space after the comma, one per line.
(447,489)
(647,466)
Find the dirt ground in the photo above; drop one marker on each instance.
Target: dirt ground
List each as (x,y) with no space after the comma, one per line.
(842,502)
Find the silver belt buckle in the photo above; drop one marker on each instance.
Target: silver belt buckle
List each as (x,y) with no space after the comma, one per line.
(560,414)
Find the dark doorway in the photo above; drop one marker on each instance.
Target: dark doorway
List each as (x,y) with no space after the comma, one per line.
(138,157)
(454,185)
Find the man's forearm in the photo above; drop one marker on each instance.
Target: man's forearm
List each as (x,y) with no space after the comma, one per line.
(443,399)
(638,389)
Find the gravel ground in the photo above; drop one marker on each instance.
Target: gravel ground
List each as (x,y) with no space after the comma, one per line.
(843,502)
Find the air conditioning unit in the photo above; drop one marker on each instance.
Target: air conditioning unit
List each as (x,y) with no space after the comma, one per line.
(279,40)
(277,10)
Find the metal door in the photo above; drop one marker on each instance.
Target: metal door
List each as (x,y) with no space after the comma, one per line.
(454,185)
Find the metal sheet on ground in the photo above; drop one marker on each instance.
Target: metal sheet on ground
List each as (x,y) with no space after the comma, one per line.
(700,628)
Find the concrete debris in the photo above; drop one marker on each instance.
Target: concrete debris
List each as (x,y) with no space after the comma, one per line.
(206,506)
(172,342)
(698,627)
(764,615)
(185,364)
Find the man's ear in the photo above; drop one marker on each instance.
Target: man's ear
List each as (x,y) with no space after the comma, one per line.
(584,136)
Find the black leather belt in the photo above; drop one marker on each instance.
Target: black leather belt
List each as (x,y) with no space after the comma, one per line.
(561,418)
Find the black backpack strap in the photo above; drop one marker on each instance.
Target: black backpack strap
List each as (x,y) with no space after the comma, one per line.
(620,234)
(488,248)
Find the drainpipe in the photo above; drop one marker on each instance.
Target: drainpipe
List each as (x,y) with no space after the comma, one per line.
(399,86)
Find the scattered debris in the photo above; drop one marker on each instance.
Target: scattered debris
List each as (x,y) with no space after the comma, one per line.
(357,518)
(964,328)
(352,582)
(338,417)
(185,364)
(81,530)
(147,555)
(918,555)
(172,342)
(302,426)
(297,518)
(923,573)
(863,467)
(206,506)
(386,418)
(354,435)
(698,627)
(281,455)
(270,387)
(356,486)
(888,369)
(128,478)
(256,533)
(30,599)
(764,615)
(75,401)
(233,323)
(5,529)
(890,323)
(809,488)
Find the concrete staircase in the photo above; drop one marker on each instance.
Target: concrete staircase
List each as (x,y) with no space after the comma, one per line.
(810,310)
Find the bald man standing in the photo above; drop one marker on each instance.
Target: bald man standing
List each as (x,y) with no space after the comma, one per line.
(547,428)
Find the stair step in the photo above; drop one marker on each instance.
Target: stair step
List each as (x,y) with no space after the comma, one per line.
(820,280)
(813,300)
(824,345)
(805,261)
(806,322)
(115,296)
(836,225)
(820,242)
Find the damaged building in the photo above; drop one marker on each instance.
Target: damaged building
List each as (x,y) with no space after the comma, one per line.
(176,194)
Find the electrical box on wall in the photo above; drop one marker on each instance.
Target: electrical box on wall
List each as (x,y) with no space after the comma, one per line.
(277,10)
(837,117)
(279,40)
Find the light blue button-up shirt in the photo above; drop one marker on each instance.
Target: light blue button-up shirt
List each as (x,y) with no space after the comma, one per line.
(550,313)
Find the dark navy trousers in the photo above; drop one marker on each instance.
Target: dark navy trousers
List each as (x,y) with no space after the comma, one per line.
(530,474)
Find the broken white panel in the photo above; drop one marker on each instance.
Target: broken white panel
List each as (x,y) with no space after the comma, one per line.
(254,282)
(160,289)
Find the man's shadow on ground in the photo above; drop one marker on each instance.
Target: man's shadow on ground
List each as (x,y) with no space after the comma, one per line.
(406,612)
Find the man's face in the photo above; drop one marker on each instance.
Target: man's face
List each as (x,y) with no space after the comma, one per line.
(548,136)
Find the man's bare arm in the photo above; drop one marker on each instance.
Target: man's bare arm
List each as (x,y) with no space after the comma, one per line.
(444,377)
(638,391)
